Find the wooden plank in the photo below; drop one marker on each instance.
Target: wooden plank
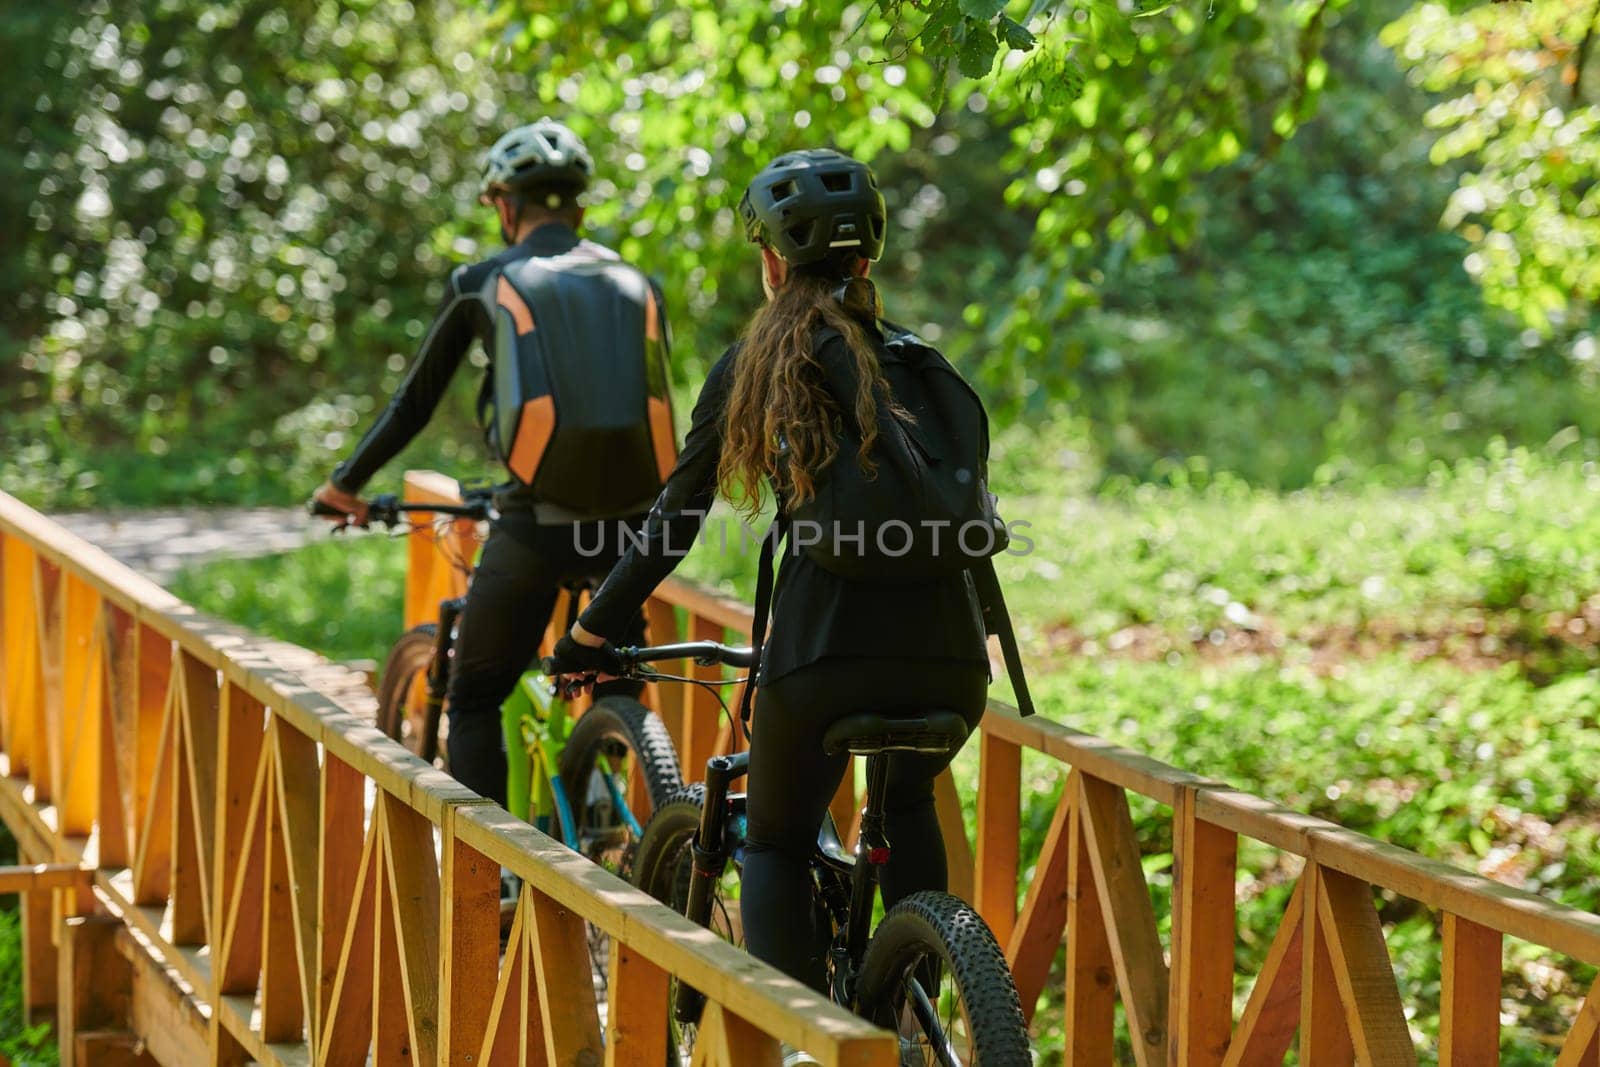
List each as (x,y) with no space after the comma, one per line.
(999,834)
(1272,1014)
(118,725)
(724,972)
(505,1037)
(1582,1046)
(413,895)
(239,774)
(300,815)
(92,982)
(636,1009)
(49,598)
(152,864)
(1469,1010)
(19,649)
(37,877)
(725,1040)
(166,1017)
(240,924)
(1367,986)
(1037,934)
(1325,1038)
(391,1032)
(154,654)
(200,710)
(1089,754)
(347,1017)
(470,936)
(1204,918)
(1130,917)
(953,828)
(39,958)
(191,919)
(567,1006)
(341,857)
(79,724)
(282,1009)
(1091,973)
(110,1048)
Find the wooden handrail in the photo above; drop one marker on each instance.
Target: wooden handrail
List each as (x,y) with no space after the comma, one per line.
(276,880)
(1328,973)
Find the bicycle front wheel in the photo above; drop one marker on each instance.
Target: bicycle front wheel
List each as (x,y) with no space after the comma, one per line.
(934,974)
(618,765)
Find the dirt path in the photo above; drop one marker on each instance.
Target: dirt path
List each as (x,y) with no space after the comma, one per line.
(160,543)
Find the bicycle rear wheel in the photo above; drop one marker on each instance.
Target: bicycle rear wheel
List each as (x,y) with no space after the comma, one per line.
(972,1010)
(404,713)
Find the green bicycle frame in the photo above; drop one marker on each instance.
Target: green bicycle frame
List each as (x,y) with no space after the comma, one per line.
(536,724)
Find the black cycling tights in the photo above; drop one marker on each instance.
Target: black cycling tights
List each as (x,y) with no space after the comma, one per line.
(509,603)
(791,782)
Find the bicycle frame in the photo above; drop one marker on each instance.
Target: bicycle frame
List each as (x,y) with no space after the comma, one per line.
(846,886)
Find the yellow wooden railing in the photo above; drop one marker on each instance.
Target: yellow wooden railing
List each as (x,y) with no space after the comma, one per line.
(223,861)
(1327,973)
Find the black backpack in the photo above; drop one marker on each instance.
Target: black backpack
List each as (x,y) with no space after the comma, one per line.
(582,413)
(924,512)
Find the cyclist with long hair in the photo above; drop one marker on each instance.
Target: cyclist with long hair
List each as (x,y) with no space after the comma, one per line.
(775,411)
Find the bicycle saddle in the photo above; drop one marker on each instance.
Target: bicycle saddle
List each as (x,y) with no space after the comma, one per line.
(935,733)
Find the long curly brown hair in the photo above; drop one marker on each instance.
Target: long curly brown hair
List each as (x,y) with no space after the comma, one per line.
(779,396)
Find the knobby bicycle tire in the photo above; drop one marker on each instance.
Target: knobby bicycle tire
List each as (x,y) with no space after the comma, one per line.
(939,928)
(408,661)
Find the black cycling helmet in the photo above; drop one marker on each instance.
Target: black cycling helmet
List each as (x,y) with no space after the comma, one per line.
(543,153)
(812,204)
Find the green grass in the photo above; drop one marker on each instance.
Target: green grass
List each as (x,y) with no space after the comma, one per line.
(1386,661)
(340,596)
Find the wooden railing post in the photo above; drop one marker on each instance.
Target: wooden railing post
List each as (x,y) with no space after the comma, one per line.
(1205,860)
(1469,994)
(999,834)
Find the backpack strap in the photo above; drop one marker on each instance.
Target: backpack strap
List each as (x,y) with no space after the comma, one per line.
(763,607)
(997,620)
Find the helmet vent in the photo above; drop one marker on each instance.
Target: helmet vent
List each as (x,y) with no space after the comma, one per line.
(800,233)
(837,182)
(782,191)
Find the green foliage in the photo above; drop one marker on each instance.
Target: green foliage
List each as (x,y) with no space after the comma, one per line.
(19,1042)
(340,597)
(1520,106)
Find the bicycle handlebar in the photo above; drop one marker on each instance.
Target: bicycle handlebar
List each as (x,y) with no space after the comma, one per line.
(705,653)
(387,508)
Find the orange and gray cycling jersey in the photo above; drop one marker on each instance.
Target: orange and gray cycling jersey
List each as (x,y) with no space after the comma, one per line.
(475,296)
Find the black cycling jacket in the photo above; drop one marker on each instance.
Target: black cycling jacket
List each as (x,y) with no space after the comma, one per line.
(815,613)
(462,317)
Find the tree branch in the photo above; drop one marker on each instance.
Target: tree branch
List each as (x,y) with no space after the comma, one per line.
(1583,56)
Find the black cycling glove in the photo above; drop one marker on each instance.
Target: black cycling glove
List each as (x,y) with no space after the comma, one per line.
(570,657)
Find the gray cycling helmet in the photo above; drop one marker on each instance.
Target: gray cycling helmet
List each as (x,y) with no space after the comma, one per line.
(540,153)
(812,204)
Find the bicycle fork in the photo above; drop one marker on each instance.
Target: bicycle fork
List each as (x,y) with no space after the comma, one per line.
(439,674)
(710,849)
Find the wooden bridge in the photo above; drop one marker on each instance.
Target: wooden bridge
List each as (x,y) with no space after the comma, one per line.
(222,861)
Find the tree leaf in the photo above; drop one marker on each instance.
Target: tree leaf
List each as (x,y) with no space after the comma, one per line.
(982,10)
(1016,35)
(1113,31)
(978,50)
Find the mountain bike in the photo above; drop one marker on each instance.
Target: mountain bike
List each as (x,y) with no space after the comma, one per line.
(590,780)
(931,970)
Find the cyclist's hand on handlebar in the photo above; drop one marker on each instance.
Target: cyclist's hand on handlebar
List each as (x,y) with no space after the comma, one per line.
(338,507)
(577,665)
